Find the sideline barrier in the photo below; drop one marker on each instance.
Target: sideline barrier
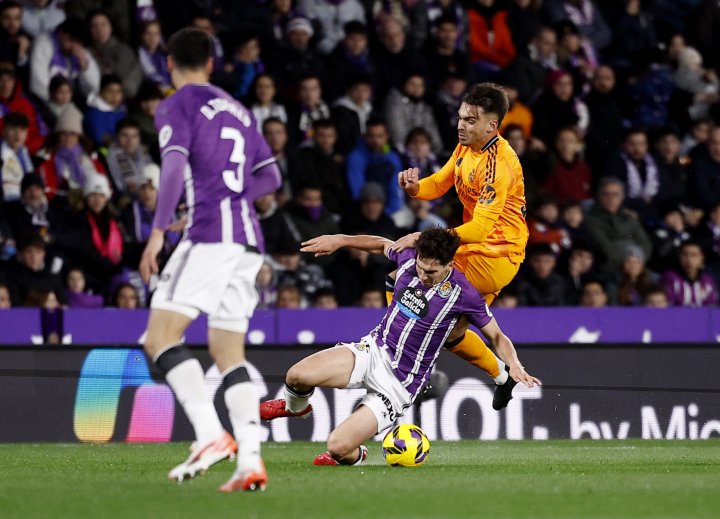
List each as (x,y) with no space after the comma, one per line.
(93,394)
(523,325)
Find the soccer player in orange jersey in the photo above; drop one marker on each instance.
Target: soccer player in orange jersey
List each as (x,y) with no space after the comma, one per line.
(488,179)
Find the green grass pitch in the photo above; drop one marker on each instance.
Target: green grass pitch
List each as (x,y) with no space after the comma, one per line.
(473,479)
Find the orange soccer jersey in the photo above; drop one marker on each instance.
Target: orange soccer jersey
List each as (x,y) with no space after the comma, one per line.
(490,186)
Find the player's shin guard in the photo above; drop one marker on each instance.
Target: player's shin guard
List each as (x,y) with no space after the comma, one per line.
(243,403)
(297,401)
(185,376)
(389,288)
(472,349)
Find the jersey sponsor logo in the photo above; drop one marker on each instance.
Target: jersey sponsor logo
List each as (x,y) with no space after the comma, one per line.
(488,196)
(164,135)
(391,412)
(445,289)
(412,303)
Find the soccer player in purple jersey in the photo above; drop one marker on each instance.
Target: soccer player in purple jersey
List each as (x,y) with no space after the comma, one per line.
(394,361)
(212,151)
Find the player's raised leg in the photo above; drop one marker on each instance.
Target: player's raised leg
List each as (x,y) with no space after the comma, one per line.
(345,441)
(328,368)
(186,378)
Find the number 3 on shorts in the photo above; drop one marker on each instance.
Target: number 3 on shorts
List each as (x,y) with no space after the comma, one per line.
(234,179)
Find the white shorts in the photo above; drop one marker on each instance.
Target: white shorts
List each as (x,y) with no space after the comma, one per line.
(386,397)
(217,279)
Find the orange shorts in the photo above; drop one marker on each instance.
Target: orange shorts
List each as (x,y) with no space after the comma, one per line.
(488,275)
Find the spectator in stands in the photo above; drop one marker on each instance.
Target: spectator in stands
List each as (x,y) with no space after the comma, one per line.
(447,100)
(637,169)
(310,218)
(443,9)
(701,84)
(672,172)
(70,164)
(266,286)
(77,295)
(112,55)
(14,42)
(61,95)
(12,99)
(572,218)
(524,21)
(539,284)
(331,17)
(604,134)
(289,297)
(576,55)
(63,53)
(708,236)
(15,161)
(419,154)
(152,55)
(533,159)
(667,237)
(298,59)
(395,58)
(580,269)
(570,177)
(656,297)
(125,296)
(418,217)
(5,301)
(320,164)
(544,226)
(635,280)
(443,55)
(649,89)
(127,158)
(490,44)
(518,113)
(558,108)
(146,102)
(302,115)
(531,67)
(613,229)
(690,285)
(281,12)
(105,111)
(370,216)
(406,109)
(276,135)
(293,270)
(584,14)
(29,270)
(412,16)
(264,105)
(352,111)
(274,222)
(32,215)
(325,298)
(239,74)
(698,133)
(633,34)
(593,295)
(350,59)
(507,300)
(373,160)
(702,30)
(372,298)
(41,17)
(704,177)
(202,20)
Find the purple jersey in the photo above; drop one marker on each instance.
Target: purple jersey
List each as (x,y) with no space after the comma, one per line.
(219,137)
(420,319)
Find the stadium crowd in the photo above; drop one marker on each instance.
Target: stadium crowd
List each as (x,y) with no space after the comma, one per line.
(614,114)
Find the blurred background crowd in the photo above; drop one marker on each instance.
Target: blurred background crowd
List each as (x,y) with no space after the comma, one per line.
(614,115)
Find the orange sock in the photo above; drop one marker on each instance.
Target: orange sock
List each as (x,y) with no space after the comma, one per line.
(475,351)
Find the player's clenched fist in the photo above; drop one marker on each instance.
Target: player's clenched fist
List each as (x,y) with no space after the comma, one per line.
(409,181)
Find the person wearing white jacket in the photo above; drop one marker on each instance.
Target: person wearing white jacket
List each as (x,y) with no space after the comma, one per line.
(332,15)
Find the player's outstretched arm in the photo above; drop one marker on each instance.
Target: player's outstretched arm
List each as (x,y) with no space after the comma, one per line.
(329,243)
(505,349)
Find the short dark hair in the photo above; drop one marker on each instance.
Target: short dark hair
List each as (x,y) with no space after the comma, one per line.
(190,48)
(324,123)
(109,79)
(438,244)
(375,121)
(73,27)
(691,243)
(355,27)
(58,81)
(273,120)
(417,132)
(127,122)
(490,97)
(17,120)
(9,4)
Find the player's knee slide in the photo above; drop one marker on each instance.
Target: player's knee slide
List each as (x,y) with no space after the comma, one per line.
(449,345)
(339,447)
(172,356)
(238,375)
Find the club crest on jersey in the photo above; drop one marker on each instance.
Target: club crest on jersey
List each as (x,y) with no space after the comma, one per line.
(359,346)
(412,303)
(445,289)
(458,162)
(471,176)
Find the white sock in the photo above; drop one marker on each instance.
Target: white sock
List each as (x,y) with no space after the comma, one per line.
(187,381)
(296,402)
(503,376)
(244,408)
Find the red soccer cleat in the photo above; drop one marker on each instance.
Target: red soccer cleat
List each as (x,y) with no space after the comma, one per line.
(272,409)
(326,459)
(246,481)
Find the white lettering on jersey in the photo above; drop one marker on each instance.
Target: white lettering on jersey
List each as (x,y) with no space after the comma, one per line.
(218,104)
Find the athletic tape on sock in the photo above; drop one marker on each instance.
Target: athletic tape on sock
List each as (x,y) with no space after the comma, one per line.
(238,375)
(172,356)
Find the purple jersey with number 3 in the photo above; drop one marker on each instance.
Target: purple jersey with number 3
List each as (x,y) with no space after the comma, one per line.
(218,135)
(420,319)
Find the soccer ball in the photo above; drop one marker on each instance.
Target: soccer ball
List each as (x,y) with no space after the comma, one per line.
(406,445)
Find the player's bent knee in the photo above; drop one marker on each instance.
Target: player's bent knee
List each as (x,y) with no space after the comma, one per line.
(339,446)
(296,377)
